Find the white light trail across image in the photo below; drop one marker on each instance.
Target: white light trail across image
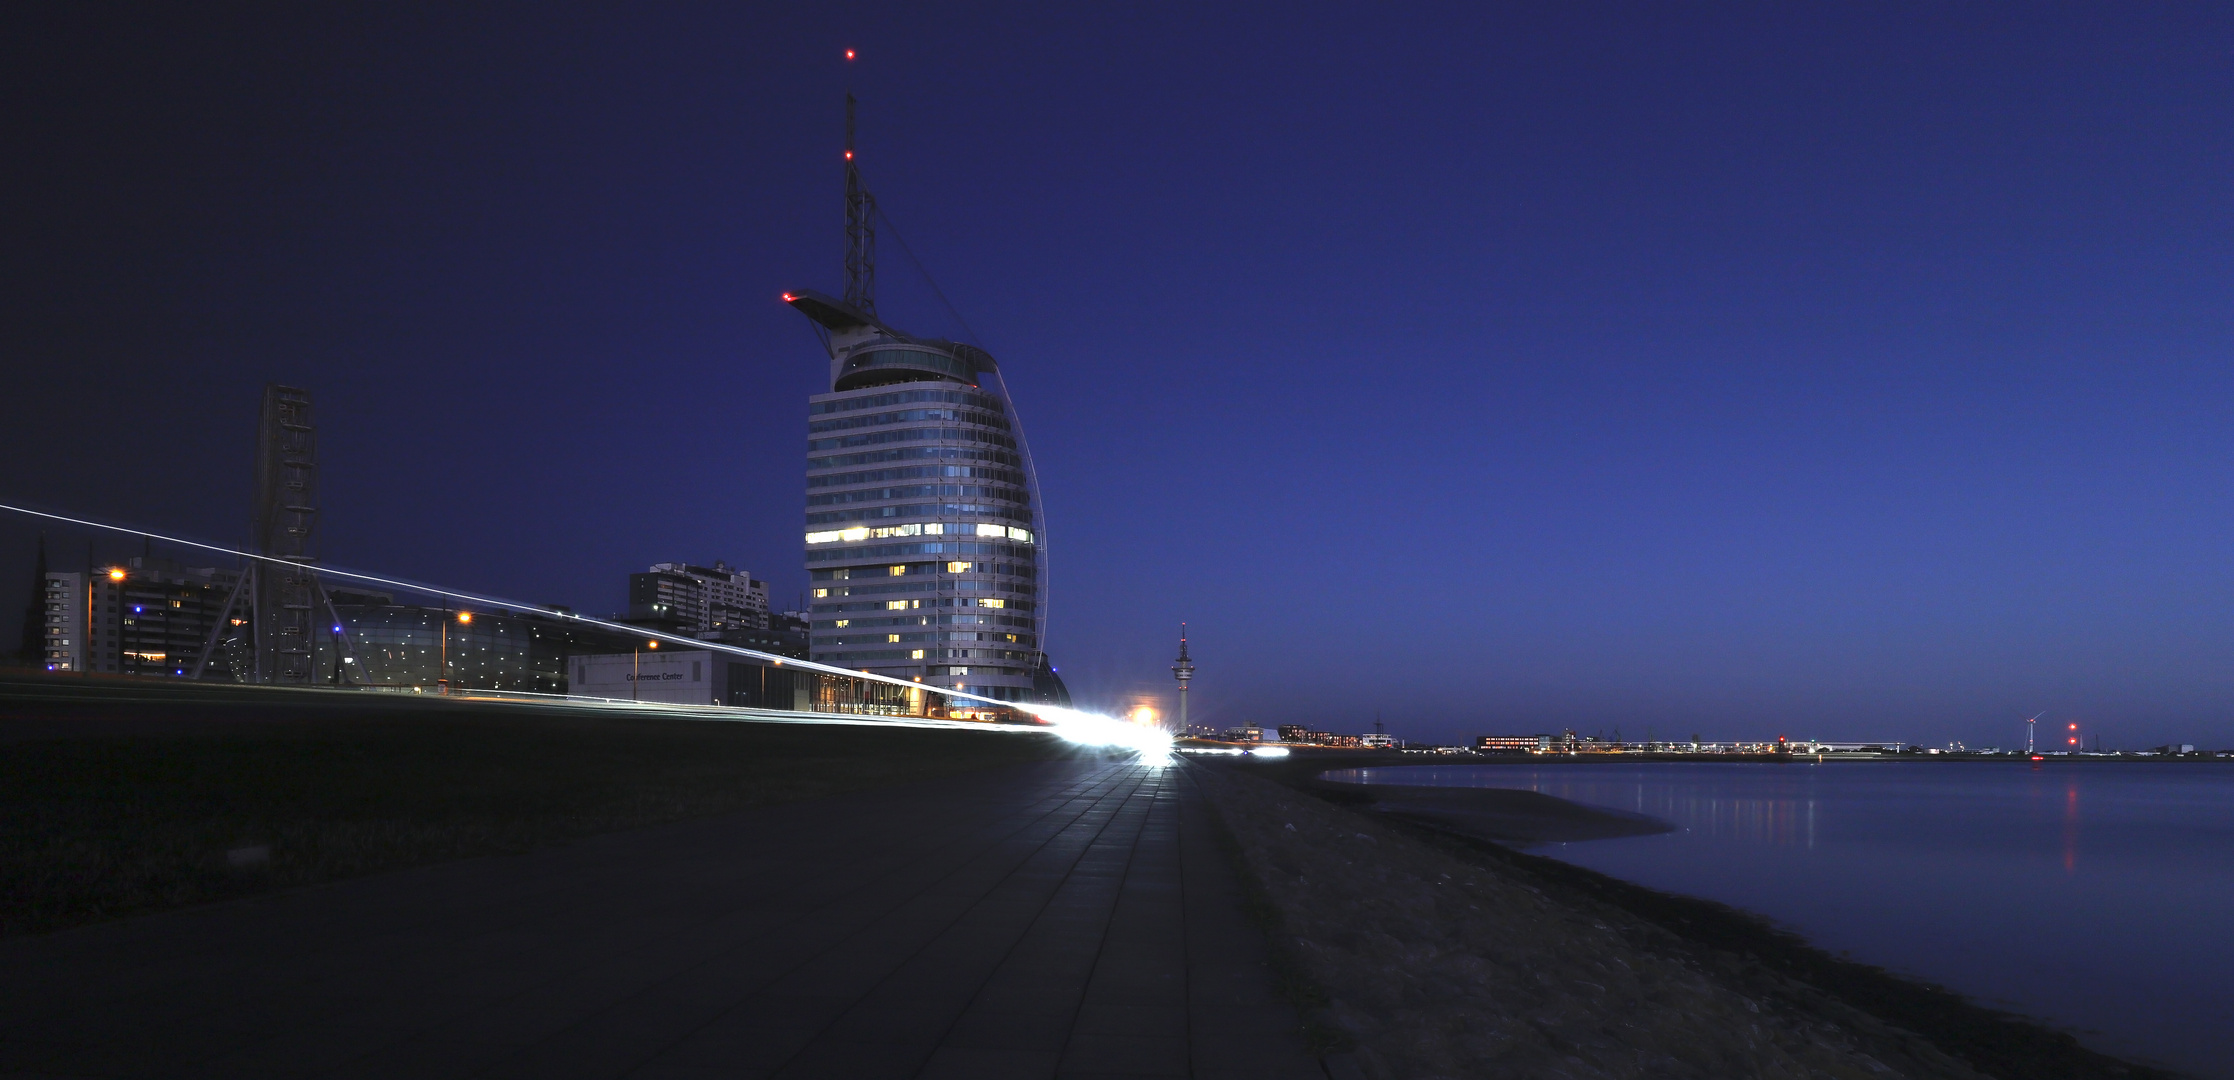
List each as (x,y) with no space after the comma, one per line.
(1072,725)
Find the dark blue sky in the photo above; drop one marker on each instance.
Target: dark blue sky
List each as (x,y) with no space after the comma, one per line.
(1835,370)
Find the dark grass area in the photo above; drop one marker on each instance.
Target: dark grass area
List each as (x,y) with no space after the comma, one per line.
(1776,963)
(106,825)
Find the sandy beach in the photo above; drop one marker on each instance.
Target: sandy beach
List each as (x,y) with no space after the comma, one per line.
(1423,949)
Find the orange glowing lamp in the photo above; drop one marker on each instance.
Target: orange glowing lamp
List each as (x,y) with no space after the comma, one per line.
(116,573)
(465,616)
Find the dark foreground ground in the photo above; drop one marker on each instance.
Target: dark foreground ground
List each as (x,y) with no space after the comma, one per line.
(595,896)
(1062,918)
(121,798)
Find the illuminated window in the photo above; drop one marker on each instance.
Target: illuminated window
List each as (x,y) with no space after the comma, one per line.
(896,571)
(987,601)
(821,593)
(916,655)
(958,567)
(843,623)
(891,637)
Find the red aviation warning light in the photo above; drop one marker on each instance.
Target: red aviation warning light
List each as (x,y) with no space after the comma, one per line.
(787,298)
(849,54)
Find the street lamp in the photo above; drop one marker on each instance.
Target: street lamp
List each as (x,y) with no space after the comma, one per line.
(636,673)
(463,618)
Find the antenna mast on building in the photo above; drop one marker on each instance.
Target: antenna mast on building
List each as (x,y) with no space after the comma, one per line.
(1183,669)
(861,227)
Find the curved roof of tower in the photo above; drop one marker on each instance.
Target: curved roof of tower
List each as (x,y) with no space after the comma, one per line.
(837,315)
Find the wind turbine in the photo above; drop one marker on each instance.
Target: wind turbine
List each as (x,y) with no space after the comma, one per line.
(2028,730)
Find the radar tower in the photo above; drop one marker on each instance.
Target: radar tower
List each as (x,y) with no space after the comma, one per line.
(1183,669)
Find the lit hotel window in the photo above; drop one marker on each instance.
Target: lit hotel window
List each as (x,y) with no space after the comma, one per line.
(896,571)
(916,655)
(987,601)
(891,637)
(821,593)
(958,568)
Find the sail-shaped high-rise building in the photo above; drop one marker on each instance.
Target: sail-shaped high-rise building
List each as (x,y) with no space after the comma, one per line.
(923,534)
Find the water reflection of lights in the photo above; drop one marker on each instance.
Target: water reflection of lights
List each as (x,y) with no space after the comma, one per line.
(2071,825)
(1780,822)
(1777,819)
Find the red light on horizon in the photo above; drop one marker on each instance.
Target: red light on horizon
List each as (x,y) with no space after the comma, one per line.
(787,298)
(849,54)
(849,155)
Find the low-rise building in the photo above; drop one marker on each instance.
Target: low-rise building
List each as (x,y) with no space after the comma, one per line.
(687,677)
(1514,744)
(427,648)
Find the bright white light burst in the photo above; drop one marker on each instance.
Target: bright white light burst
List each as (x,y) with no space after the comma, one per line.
(1153,744)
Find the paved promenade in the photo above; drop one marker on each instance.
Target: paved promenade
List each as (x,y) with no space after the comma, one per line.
(1064,919)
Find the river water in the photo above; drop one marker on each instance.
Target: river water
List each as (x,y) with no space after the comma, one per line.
(2096,895)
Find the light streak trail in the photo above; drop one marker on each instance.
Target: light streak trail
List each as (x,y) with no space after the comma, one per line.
(1083,728)
(1153,744)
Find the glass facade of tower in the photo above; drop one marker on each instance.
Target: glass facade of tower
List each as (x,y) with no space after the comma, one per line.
(921,537)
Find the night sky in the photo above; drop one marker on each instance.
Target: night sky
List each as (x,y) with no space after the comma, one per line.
(1832,370)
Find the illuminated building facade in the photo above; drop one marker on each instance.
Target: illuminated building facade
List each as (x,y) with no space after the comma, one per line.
(697,600)
(141,617)
(922,537)
(414,648)
(63,596)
